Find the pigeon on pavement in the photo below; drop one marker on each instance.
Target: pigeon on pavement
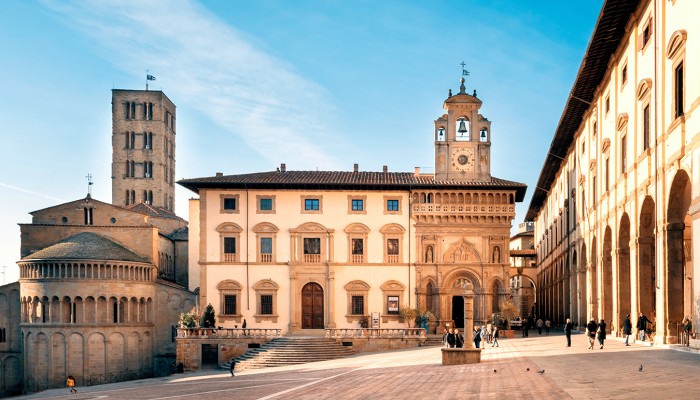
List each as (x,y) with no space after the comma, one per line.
(540,372)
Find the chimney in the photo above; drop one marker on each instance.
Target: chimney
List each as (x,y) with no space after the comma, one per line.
(417,171)
(355,167)
(385,169)
(283,167)
(219,174)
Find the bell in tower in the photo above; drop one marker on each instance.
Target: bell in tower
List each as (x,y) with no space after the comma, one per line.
(460,156)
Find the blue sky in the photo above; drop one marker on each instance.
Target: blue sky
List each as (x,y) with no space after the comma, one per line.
(313,84)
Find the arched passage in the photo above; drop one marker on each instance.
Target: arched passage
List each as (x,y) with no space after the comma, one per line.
(573,294)
(594,279)
(624,296)
(646,259)
(679,264)
(583,296)
(606,277)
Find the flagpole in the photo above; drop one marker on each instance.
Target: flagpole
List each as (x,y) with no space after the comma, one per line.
(146,80)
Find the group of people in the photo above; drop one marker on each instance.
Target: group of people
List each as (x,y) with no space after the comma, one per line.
(529,323)
(489,334)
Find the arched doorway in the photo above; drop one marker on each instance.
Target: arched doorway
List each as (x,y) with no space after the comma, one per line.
(646,260)
(679,263)
(312,306)
(624,296)
(606,276)
(458,311)
(594,280)
(583,286)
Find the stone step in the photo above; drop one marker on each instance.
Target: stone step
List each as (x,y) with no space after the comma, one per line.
(291,351)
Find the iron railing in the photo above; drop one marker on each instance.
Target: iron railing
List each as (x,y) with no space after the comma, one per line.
(120,376)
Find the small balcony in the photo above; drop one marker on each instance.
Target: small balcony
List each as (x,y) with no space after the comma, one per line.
(265,258)
(357,258)
(229,257)
(392,258)
(312,258)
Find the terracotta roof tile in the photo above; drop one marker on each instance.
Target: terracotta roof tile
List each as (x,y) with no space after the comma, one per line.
(86,246)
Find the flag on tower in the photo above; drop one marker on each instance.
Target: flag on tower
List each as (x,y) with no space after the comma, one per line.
(150,77)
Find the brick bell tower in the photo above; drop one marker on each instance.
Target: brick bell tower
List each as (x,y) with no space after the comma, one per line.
(143,148)
(462,138)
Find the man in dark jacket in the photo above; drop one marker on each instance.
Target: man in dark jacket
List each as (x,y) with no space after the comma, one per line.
(591,329)
(451,339)
(567,330)
(627,329)
(233,365)
(642,323)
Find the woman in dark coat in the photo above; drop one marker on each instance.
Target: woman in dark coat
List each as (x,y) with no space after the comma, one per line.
(601,332)
(477,337)
(591,329)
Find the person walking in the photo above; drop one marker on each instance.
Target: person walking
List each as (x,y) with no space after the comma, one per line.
(233,365)
(642,323)
(70,382)
(444,338)
(627,329)
(526,326)
(539,324)
(495,337)
(567,331)
(547,326)
(601,332)
(459,339)
(484,334)
(451,341)
(687,330)
(477,337)
(591,330)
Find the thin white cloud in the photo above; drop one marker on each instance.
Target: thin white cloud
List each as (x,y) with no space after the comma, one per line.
(19,189)
(210,66)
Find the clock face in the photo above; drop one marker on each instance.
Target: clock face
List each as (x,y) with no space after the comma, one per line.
(463,159)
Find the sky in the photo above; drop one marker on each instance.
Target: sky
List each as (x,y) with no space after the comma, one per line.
(312,84)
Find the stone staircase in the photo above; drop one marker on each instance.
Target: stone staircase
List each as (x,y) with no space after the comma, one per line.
(433,340)
(289,351)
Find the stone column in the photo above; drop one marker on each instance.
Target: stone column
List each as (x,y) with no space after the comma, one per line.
(468,297)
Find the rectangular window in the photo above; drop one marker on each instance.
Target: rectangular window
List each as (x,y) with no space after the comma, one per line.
(607,174)
(623,153)
(678,91)
(624,74)
(266,204)
(357,247)
(266,304)
(392,247)
(595,189)
(312,245)
(357,205)
(645,127)
(358,305)
(311,204)
(265,245)
(392,305)
(607,104)
(229,204)
(392,205)
(646,34)
(230,304)
(229,245)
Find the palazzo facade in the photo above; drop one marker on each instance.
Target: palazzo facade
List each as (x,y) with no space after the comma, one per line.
(616,204)
(298,250)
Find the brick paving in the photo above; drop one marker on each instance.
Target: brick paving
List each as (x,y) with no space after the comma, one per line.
(575,372)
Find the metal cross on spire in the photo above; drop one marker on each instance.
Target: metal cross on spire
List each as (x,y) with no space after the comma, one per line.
(89,179)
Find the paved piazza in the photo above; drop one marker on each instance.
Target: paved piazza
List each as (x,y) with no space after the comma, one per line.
(576,372)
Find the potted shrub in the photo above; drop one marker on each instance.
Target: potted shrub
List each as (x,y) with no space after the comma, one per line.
(364,324)
(508,313)
(408,314)
(208,319)
(188,320)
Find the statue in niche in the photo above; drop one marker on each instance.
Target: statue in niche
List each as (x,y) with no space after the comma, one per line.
(429,254)
(464,284)
(496,256)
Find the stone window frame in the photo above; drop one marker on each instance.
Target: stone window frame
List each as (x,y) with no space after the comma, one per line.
(272,197)
(621,128)
(357,288)
(357,231)
(229,230)
(311,197)
(265,230)
(392,231)
(311,230)
(229,287)
(364,205)
(391,288)
(644,99)
(261,288)
(237,197)
(676,54)
(386,205)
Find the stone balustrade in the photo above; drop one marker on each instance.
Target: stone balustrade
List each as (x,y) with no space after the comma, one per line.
(224,333)
(341,333)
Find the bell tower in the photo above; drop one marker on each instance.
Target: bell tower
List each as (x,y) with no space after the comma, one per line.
(462,139)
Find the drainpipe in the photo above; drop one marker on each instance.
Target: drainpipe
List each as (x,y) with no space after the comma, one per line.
(247,247)
(409,250)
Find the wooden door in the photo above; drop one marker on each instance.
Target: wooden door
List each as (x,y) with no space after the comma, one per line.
(312,306)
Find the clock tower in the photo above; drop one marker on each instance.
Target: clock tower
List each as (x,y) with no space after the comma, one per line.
(462,139)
